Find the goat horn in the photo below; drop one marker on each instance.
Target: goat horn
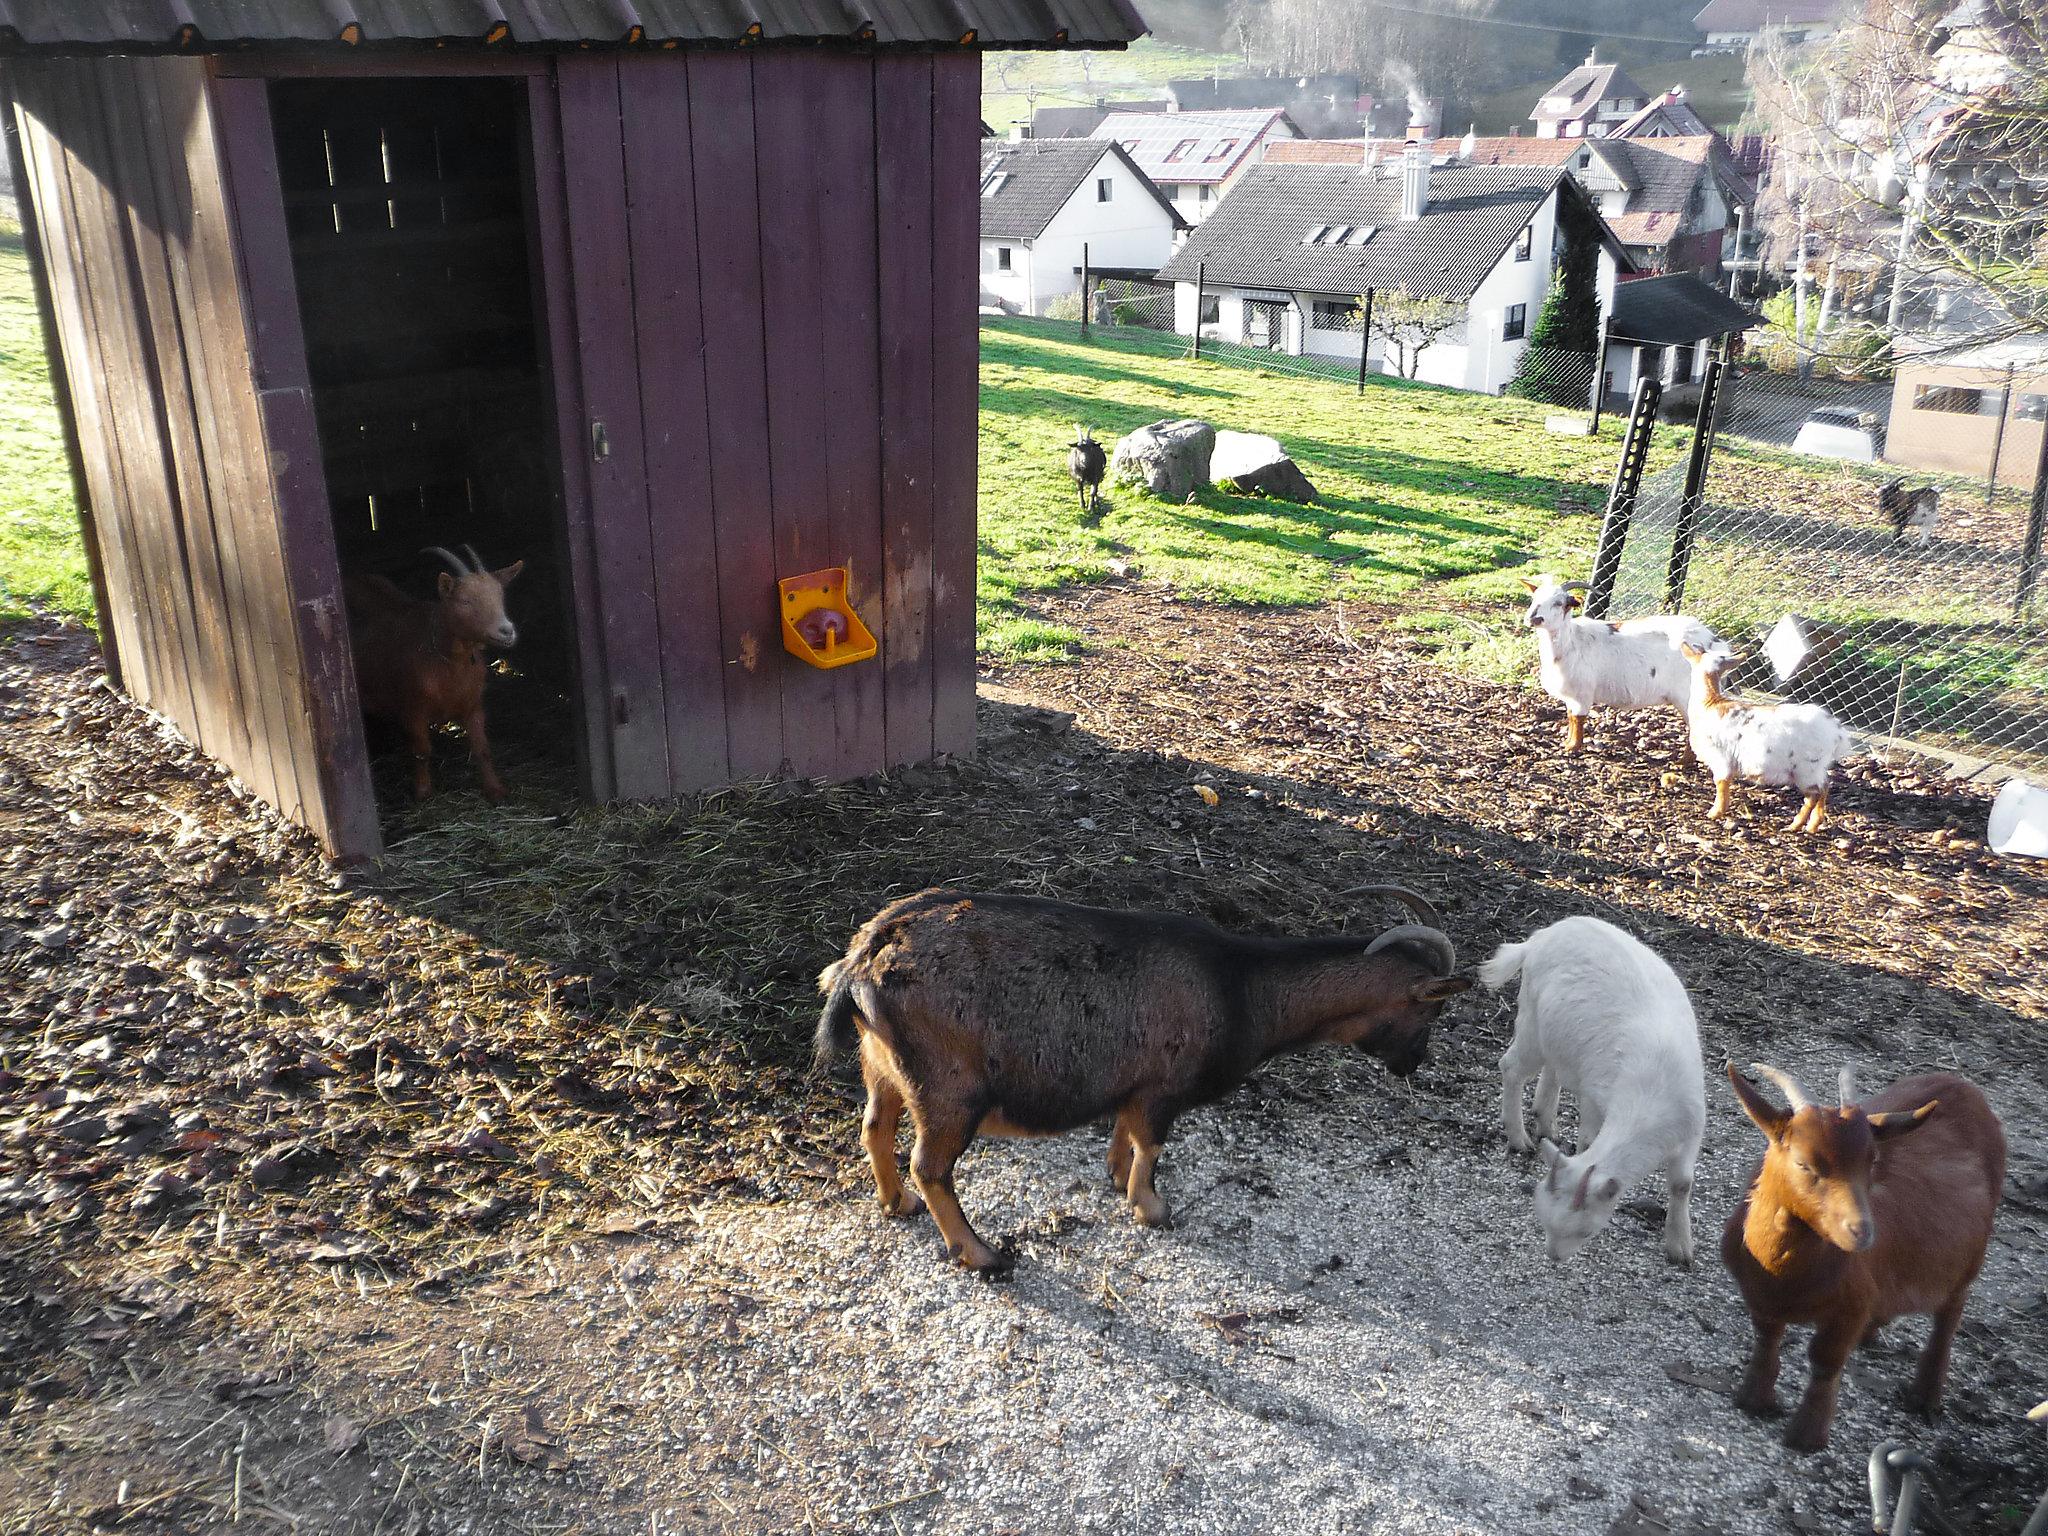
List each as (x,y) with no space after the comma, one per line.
(1435,940)
(474,560)
(1847,1084)
(1412,900)
(454,561)
(1573,586)
(1794,1094)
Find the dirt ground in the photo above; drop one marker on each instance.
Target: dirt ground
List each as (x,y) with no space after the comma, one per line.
(486,1192)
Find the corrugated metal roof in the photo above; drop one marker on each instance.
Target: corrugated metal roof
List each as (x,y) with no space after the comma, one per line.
(133,26)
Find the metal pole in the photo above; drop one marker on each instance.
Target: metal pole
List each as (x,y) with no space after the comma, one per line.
(1621,499)
(1086,297)
(1201,276)
(1599,385)
(1695,484)
(2037,516)
(1364,339)
(1998,440)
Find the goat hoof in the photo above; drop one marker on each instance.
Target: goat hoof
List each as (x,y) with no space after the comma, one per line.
(1760,1406)
(495,793)
(1806,1438)
(987,1262)
(1921,1404)
(903,1207)
(1682,1257)
(1154,1214)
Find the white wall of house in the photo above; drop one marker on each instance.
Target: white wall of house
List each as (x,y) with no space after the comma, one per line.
(1012,284)
(1195,200)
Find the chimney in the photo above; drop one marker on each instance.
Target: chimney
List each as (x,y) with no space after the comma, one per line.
(1675,95)
(1019,132)
(1593,55)
(1414,181)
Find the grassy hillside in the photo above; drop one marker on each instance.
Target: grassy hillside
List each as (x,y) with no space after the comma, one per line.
(1008,80)
(40,558)
(1716,82)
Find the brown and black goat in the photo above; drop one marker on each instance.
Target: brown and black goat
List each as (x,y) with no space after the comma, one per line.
(1857,1215)
(1014,1015)
(420,661)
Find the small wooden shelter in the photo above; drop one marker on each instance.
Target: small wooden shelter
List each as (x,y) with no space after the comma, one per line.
(669,298)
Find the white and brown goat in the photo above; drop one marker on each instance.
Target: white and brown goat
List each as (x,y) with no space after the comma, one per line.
(1015,1015)
(420,662)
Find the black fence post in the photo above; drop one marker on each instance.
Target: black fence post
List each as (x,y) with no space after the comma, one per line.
(1998,440)
(1621,499)
(1364,339)
(1087,298)
(1703,429)
(1599,384)
(1201,274)
(2037,515)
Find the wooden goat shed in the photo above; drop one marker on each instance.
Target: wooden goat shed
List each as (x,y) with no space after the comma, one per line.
(668,298)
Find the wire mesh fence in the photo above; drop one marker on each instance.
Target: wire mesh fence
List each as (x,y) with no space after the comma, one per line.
(1899,598)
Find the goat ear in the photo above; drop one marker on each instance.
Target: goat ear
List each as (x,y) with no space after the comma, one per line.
(1571,601)
(1896,1122)
(1437,988)
(509,574)
(1527,584)
(1769,1119)
(1692,652)
(444,583)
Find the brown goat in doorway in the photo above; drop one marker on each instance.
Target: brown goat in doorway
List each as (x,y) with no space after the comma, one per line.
(1014,1015)
(1857,1215)
(420,662)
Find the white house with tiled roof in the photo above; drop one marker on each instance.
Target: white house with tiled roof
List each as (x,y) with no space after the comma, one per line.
(1045,203)
(1194,156)
(1743,24)
(1589,103)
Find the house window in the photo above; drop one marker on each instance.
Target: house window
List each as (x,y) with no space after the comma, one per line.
(2032,408)
(1212,310)
(1205,193)
(1221,151)
(1517,323)
(1333,316)
(1955,399)
(1002,258)
(1525,242)
(1179,151)
(1104,186)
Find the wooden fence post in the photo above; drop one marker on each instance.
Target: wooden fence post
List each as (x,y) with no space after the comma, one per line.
(1364,339)
(1621,498)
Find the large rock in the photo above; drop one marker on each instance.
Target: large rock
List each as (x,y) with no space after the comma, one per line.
(1169,458)
(1254,463)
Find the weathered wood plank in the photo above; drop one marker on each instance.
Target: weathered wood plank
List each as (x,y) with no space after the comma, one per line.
(316,674)
(157,217)
(797,265)
(725,165)
(956,388)
(26,192)
(903,119)
(675,416)
(841,116)
(593,162)
(554,303)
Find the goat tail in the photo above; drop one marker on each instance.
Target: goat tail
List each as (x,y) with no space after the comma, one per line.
(1503,968)
(839,1022)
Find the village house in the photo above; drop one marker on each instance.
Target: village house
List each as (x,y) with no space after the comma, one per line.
(1735,26)
(1665,327)
(1045,203)
(1080,122)
(1194,156)
(1321,106)
(1283,260)
(1589,103)
(1667,115)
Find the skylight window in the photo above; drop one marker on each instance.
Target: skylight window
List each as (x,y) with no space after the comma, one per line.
(1339,234)
(1221,151)
(1363,233)
(1179,151)
(993,183)
(1315,235)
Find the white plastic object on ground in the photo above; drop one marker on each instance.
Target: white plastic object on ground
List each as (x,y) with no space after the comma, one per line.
(2019,820)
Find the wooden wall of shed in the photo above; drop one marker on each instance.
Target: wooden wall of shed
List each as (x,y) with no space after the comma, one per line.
(209,608)
(773,264)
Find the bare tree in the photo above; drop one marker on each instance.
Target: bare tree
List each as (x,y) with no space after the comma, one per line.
(1409,326)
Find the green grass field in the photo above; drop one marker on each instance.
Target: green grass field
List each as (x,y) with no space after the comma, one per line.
(41,562)
(1010,82)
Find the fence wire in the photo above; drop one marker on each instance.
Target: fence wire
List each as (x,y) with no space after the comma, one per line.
(1891,595)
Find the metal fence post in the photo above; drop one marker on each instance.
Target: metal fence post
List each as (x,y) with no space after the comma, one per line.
(1364,339)
(1621,499)
(1087,298)
(2037,515)
(1201,275)
(1703,430)
(1998,440)
(1599,384)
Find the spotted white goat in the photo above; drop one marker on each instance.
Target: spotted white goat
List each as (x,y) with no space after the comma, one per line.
(1602,1015)
(1586,662)
(1775,744)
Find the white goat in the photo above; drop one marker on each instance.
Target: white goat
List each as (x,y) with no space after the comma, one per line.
(1601,1015)
(1631,665)
(1795,744)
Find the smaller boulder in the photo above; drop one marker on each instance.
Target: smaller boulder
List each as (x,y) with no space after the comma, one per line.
(1257,465)
(1169,458)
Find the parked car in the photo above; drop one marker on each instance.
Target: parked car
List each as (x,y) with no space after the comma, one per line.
(1837,432)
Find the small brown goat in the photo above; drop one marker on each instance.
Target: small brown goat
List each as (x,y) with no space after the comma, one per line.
(1013,1015)
(1847,1226)
(420,662)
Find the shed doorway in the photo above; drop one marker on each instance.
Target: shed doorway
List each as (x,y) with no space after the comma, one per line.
(409,206)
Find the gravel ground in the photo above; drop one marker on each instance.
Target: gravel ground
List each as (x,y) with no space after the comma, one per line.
(474,1290)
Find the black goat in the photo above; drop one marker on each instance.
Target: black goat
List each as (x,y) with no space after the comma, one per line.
(1086,462)
(1918,510)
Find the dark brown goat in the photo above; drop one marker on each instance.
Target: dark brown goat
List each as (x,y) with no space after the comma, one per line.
(1013,1015)
(420,662)
(1847,1226)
